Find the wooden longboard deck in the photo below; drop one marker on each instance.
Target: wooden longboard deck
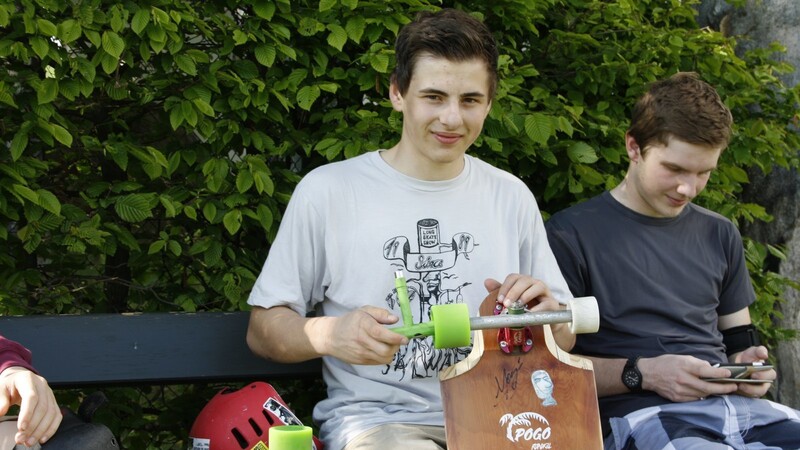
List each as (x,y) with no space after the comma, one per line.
(490,401)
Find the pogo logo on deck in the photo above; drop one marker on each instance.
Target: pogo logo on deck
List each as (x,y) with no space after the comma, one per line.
(527,427)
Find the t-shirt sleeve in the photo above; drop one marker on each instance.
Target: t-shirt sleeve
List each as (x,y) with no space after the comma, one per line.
(12,354)
(546,267)
(567,253)
(737,290)
(294,272)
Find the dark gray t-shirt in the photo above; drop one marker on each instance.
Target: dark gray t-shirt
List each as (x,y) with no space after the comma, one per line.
(660,283)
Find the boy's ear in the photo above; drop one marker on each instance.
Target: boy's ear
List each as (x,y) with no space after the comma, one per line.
(395,97)
(632,147)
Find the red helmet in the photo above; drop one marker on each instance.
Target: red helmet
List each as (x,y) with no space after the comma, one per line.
(239,420)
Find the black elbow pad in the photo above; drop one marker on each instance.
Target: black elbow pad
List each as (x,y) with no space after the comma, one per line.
(740,338)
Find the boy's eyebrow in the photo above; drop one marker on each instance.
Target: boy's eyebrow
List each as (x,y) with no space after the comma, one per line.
(678,166)
(434,91)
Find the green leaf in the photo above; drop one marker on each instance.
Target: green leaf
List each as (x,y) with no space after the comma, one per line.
(210,212)
(338,36)
(189,113)
(119,155)
(156,247)
(309,26)
(140,20)
(287,51)
(203,107)
(109,63)
(187,304)
(297,76)
(133,208)
(176,117)
(113,44)
(62,135)
(49,202)
(232,221)
(6,97)
(86,68)
(265,54)
(244,181)
(213,255)
(355,28)
(539,127)
(190,212)
(246,69)
(175,248)
(264,9)
(325,5)
(186,64)
(589,176)
(265,217)
(26,193)
(70,89)
(124,236)
(380,62)
(736,173)
(160,16)
(307,96)
(40,46)
(240,37)
(169,206)
(47,91)
(18,144)
(581,152)
(46,27)
(94,37)
(263,183)
(547,156)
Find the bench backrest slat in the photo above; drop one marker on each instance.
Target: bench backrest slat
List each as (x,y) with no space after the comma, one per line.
(162,348)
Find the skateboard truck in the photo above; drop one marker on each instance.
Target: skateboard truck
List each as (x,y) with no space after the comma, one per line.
(510,338)
(451,325)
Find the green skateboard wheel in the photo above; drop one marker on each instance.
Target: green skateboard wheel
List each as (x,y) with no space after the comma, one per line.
(290,437)
(450,325)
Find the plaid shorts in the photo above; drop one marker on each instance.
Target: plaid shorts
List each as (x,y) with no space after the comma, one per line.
(716,423)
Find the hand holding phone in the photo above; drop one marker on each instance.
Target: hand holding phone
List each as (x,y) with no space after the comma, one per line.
(740,373)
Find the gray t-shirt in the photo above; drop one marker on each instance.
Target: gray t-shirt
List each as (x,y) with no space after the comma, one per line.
(350,225)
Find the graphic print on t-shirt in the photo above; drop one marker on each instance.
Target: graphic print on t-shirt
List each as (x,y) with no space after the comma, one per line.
(431,277)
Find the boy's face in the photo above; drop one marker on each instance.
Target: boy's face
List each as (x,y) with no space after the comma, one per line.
(443,113)
(667,177)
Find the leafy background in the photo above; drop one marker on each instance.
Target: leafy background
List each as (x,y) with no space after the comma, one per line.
(150,147)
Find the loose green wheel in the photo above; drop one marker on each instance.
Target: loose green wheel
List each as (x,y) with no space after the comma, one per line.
(290,437)
(450,325)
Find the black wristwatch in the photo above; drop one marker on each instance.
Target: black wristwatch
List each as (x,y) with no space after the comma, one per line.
(631,377)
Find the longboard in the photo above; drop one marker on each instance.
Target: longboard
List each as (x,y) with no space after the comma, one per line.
(544,398)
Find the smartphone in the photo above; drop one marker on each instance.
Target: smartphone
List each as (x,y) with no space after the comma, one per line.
(740,373)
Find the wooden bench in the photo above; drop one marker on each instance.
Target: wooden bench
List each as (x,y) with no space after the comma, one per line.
(145,348)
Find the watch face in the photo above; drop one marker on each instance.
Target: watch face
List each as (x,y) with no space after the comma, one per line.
(631,378)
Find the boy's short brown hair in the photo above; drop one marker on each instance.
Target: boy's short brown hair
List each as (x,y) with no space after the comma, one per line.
(449,33)
(683,107)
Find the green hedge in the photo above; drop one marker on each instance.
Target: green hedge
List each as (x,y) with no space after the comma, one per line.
(150,147)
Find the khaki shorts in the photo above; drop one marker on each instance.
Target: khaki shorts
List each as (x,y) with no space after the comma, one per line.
(8,429)
(395,436)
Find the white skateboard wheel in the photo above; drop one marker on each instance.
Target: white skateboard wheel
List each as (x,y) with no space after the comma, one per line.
(585,315)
